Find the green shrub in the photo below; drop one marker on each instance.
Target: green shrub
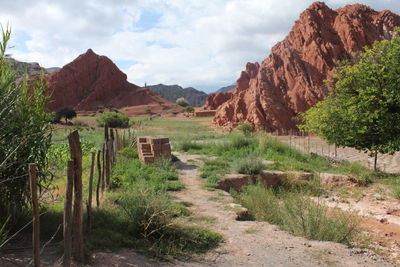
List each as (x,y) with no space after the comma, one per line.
(113,119)
(189,109)
(300,215)
(187,144)
(129,152)
(182,102)
(248,164)
(149,211)
(246,128)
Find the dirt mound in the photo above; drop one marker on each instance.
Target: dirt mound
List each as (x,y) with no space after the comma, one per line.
(92,81)
(290,79)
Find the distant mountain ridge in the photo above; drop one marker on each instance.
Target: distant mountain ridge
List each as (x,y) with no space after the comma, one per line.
(173,92)
(225,88)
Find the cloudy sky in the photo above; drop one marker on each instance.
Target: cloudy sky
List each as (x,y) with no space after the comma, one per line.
(199,43)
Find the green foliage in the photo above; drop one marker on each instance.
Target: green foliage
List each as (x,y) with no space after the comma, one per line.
(189,109)
(66,113)
(182,102)
(300,215)
(129,152)
(363,109)
(187,144)
(58,154)
(142,215)
(3,232)
(161,176)
(246,128)
(113,119)
(25,135)
(248,164)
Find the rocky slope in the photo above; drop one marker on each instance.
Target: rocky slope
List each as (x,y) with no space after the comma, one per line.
(173,92)
(290,79)
(91,81)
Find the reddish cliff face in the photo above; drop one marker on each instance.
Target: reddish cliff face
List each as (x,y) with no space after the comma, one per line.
(91,81)
(291,79)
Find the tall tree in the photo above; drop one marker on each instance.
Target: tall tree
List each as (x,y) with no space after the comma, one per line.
(363,108)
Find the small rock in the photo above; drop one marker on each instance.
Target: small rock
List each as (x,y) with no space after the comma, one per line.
(384,220)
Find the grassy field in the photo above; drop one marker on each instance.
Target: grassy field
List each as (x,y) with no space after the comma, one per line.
(137,212)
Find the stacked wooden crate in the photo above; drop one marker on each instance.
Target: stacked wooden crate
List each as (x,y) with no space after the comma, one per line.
(151,149)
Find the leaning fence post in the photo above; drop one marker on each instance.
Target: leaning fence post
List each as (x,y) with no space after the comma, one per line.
(99,178)
(89,202)
(76,156)
(67,214)
(35,211)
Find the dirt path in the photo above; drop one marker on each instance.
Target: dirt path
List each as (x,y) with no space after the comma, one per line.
(249,243)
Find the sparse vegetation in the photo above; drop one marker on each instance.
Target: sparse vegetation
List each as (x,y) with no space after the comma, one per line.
(250,164)
(300,215)
(246,128)
(143,214)
(113,119)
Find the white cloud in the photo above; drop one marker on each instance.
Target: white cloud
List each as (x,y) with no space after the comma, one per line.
(204,44)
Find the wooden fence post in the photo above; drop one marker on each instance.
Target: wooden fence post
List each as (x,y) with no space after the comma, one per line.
(76,156)
(103,172)
(35,211)
(112,147)
(68,214)
(108,162)
(89,202)
(99,178)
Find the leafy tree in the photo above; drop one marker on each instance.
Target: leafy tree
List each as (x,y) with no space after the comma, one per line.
(25,135)
(113,119)
(363,108)
(182,102)
(66,113)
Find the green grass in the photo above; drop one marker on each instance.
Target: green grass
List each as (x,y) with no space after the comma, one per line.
(140,214)
(251,164)
(300,215)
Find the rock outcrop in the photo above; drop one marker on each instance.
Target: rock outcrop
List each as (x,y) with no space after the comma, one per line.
(291,79)
(173,92)
(91,81)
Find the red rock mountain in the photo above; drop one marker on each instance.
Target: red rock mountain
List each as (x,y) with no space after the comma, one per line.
(91,81)
(291,78)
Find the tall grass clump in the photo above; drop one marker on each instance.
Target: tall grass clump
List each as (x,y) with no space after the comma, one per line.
(248,164)
(246,128)
(186,145)
(25,134)
(300,215)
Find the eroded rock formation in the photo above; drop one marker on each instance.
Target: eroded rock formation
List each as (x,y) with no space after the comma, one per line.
(291,79)
(91,81)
